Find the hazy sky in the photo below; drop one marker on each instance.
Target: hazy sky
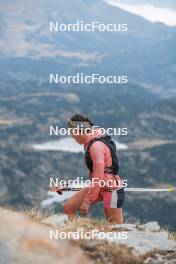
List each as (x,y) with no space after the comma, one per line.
(153,13)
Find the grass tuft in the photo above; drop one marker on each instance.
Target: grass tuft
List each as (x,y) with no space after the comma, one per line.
(36,214)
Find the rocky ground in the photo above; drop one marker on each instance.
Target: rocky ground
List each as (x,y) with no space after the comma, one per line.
(25,238)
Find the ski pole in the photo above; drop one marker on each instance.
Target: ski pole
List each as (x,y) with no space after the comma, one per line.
(59,190)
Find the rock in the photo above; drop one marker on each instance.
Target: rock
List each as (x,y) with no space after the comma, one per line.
(23,240)
(128,227)
(146,238)
(5,252)
(56,220)
(152,227)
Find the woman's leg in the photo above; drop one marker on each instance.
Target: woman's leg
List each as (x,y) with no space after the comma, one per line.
(113,202)
(114,215)
(74,203)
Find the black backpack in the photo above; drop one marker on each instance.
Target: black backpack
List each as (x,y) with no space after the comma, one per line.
(107,140)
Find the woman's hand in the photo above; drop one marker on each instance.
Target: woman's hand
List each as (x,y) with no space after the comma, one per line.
(84,209)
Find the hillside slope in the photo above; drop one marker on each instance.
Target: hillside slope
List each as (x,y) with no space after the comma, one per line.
(25,236)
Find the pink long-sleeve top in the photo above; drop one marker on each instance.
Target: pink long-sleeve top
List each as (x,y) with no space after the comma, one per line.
(101,157)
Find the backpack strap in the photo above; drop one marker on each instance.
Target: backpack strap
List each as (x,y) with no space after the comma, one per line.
(103,139)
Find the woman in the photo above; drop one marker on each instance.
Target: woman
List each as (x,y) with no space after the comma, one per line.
(102,163)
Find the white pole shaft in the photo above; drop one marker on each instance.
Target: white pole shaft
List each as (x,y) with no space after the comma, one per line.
(127,189)
(148,190)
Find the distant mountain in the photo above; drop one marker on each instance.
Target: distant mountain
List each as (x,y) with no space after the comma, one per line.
(29,105)
(157,3)
(29,51)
